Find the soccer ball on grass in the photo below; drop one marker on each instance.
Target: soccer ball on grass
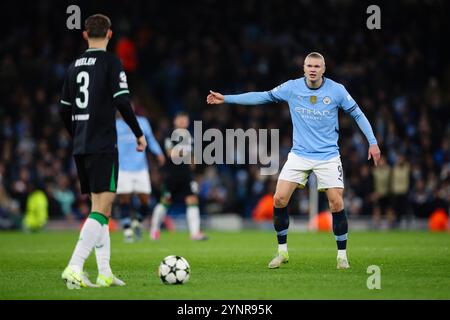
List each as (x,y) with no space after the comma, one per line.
(174,270)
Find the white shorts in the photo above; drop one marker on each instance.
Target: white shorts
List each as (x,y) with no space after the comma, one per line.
(134,182)
(329,173)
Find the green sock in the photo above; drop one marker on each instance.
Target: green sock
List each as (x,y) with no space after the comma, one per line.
(102,219)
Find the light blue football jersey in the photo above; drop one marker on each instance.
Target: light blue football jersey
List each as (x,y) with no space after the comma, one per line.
(314,114)
(129,158)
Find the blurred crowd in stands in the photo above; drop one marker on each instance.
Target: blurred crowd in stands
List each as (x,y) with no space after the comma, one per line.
(175,52)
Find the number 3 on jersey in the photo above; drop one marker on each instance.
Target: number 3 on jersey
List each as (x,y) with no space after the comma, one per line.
(83,80)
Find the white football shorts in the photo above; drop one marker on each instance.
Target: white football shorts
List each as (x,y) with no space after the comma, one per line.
(134,182)
(329,173)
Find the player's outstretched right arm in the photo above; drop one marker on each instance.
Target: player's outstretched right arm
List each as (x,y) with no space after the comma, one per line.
(249,98)
(278,94)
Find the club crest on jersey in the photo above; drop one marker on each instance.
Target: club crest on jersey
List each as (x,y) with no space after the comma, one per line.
(313,99)
(326,100)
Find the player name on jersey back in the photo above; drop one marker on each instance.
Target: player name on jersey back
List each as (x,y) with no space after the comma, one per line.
(91,84)
(85,62)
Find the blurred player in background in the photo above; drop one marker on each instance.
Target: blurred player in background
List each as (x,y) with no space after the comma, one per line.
(94,88)
(314,102)
(178,182)
(134,177)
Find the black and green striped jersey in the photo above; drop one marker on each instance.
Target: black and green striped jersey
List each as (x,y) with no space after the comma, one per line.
(96,86)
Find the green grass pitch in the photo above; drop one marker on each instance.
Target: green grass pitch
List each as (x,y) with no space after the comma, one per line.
(233,265)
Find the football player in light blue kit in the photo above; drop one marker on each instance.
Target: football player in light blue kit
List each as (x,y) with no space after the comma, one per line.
(134,177)
(314,102)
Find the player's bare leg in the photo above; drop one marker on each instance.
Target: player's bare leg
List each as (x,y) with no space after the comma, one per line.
(340,224)
(193,218)
(281,199)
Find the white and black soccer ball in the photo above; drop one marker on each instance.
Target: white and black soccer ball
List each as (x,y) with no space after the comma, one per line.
(174,270)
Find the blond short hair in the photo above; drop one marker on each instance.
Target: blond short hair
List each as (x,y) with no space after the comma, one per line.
(315,55)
